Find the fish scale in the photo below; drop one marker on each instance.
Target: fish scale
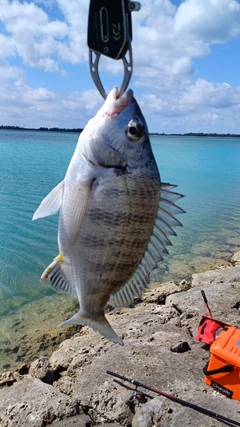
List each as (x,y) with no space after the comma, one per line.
(125,244)
(115,214)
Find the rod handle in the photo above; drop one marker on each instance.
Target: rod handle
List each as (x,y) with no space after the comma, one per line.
(204,297)
(115,375)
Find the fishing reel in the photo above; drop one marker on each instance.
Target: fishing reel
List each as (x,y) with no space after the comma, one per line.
(139,395)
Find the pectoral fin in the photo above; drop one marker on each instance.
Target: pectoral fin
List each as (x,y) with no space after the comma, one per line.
(51,203)
(78,203)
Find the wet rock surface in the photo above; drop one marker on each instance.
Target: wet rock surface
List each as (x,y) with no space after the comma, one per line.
(72,388)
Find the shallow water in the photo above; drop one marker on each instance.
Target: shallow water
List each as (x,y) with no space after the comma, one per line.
(206,171)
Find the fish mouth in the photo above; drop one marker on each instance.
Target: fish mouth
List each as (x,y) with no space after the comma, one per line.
(120,101)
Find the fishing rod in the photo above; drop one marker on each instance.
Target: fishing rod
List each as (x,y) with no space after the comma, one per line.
(218,417)
(206,303)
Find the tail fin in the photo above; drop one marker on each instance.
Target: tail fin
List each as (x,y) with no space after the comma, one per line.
(100,325)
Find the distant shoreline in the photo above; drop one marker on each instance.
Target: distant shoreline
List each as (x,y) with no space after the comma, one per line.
(41,129)
(201,134)
(79,130)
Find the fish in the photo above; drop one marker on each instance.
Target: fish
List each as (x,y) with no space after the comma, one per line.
(115,214)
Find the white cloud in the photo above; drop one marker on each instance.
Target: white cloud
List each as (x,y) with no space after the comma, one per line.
(76,15)
(39,41)
(8,72)
(214,21)
(212,95)
(40,107)
(166,41)
(165,38)
(7,47)
(202,107)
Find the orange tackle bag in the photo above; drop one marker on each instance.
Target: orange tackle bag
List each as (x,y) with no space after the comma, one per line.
(223,369)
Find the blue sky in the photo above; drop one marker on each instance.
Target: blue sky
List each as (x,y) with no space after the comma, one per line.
(186,74)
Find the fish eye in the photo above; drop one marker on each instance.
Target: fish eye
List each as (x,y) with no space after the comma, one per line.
(134,130)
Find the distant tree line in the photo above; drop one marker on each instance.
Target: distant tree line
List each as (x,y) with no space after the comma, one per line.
(212,134)
(56,129)
(44,129)
(197,134)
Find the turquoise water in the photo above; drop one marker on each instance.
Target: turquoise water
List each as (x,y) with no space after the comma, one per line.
(206,171)
(33,163)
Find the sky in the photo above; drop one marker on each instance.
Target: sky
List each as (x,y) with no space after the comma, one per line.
(186,72)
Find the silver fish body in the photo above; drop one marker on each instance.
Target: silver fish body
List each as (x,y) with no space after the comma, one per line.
(114,214)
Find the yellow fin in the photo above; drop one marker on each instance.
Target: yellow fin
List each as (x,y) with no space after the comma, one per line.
(60,258)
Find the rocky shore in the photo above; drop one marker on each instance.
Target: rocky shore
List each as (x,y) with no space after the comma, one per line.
(71,387)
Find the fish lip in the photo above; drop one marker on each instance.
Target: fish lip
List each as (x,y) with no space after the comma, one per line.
(120,101)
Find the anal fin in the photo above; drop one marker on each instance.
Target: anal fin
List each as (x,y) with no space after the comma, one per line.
(57,279)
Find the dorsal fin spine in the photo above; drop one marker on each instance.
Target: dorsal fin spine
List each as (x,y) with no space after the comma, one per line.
(165,220)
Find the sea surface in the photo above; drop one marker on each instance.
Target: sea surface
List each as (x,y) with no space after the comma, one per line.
(206,171)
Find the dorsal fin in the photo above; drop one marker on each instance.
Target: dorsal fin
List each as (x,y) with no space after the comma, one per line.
(156,247)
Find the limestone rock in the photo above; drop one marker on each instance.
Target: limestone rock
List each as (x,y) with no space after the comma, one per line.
(41,368)
(158,293)
(223,300)
(7,379)
(236,258)
(213,277)
(77,421)
(32,403)
(66,354)
(184,285)
(165,318)
(148,414)
(109,425)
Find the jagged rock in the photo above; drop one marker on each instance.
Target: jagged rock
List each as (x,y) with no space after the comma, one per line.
(103,396)
(223,300)
(77,421)
(213,277)
(184,285)
(65,384)
(23,369)
(42,369)
(109,425)
(158,292)
(32,403)
(149,329)
(236,259)
(148,414)
(7,379)
(80,345)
